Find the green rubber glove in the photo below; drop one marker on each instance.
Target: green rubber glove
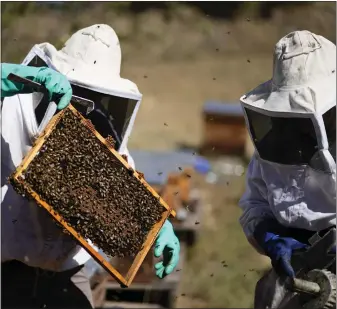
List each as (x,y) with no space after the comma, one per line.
(167,244)
(59,88)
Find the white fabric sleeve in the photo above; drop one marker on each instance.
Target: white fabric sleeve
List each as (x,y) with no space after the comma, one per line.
(254,201)
(130,159)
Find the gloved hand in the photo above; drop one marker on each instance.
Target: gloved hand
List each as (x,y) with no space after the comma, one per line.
(59,88)
(280,251)
(275,241)
(167,244)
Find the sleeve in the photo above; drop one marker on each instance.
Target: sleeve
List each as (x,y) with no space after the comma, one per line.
(130,159)
(254,202)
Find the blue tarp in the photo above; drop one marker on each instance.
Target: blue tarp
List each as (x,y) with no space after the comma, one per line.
(216,107)
(156,166)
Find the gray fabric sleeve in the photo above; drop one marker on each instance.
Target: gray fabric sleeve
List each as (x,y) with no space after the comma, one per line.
(254,202)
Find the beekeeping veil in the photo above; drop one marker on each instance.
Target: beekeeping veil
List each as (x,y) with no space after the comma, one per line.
(91,60)
(292,117)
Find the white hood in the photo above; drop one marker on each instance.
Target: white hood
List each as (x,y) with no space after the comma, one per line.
(34,239)
(91,58)
(303,85)
(304,77)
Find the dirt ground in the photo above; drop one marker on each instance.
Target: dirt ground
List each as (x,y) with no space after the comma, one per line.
(175,94)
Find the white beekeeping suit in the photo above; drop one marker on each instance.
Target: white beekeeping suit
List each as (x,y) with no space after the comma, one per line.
(292,122)
(91,60)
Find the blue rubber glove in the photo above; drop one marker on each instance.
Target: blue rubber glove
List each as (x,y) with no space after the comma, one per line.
(280,251)
(278,245)
(57,85)
(167,244)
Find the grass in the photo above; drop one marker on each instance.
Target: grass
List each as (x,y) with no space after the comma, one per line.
(184,35)
(206,283)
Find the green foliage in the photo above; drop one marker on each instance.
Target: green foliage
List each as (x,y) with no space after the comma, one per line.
(12,10)
(194,24)
(119,6)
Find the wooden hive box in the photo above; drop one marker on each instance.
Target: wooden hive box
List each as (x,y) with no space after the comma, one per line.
(170,192)
(224,128)
(177,193)
(186,185)
(22,185)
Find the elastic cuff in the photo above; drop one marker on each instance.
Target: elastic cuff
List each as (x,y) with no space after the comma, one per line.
(267,229)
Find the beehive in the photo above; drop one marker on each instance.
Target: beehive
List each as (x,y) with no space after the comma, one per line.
(176,192)
(124,186)
(185,185)
(224,128)
(171,190)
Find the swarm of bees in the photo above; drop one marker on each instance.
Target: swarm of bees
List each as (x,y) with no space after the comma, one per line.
(91,189)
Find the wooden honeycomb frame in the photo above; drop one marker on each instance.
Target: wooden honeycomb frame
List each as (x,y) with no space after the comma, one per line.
(18,179)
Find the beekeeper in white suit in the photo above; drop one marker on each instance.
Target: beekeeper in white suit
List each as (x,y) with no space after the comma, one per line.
(291,179)
(41,266)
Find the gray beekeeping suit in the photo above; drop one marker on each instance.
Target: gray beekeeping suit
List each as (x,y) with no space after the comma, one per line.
(292,122)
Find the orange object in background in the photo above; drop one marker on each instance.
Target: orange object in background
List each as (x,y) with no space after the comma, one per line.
(177,192)
(171,192)
(185,184)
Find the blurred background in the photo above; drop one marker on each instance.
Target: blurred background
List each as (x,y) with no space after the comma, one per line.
(192,61)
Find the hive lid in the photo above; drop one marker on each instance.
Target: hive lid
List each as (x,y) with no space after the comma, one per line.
(156,166)
(222,108)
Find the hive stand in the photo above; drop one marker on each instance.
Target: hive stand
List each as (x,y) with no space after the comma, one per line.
(18,179)
(158,292)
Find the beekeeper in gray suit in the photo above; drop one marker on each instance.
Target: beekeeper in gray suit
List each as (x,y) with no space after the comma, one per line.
(291,179)
(42,267)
